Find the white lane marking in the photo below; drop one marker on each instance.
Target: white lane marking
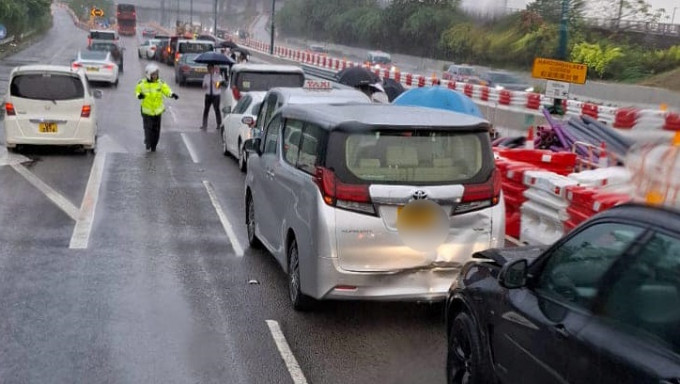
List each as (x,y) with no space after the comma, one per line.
(223,219)
(287,355)
(7,158)
(59,200)
(172,114)
(190,148)
(81,232)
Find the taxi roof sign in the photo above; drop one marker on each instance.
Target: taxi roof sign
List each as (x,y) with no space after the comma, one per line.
(318,84)
(558,70)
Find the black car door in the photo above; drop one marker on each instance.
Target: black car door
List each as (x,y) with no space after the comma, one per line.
(635,336)
(532,338)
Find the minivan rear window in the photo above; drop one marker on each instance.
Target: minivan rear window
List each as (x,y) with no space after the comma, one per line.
(47,86)
(411,156)
(263,81)
(189,47)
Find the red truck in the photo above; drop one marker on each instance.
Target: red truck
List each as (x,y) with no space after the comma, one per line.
(127,19)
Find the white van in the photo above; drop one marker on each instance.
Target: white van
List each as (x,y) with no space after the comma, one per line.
(258,77)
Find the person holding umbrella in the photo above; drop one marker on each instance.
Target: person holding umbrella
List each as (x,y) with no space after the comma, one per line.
(212,82)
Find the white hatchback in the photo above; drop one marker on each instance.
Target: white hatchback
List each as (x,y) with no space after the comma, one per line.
(50,105)
(237,126)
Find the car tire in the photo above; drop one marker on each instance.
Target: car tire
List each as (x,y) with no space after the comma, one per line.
(139,54)
(466,360)
(242,160)
(299,300)
(253,241)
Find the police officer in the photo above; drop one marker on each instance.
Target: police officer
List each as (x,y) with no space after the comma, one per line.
(150,91)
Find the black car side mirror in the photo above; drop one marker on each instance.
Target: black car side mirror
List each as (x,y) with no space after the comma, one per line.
(252,145)
(514,274)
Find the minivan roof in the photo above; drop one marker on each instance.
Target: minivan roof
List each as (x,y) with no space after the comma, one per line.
(358,116)
(266,68)
(44,68)
(297,95)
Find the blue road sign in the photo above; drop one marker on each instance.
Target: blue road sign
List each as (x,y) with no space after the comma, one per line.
(3,32)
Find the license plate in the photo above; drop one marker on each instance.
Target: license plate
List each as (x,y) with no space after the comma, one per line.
(92,69)
(48,127)
(420,217)
(201,70)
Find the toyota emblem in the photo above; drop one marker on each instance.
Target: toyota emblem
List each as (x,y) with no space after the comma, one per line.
(419,195)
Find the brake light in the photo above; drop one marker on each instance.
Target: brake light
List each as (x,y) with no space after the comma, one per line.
(85,111)
(9,107)
(185,68)
(153,48)
(108,66)
(480,196)
(236,93)
(76,65)
(177,56)
(353,197)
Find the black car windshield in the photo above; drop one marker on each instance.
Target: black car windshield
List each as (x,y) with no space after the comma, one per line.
(47,86)
(263,81)
(419,156)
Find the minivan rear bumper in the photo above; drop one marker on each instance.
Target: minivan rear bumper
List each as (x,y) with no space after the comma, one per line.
(426,284)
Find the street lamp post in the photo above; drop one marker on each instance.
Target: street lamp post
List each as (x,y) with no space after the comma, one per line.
(271,45)
(673,17)
(191,13)
(215,17)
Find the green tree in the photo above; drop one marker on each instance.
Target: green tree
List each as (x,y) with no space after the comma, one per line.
(596,57)
(551,10)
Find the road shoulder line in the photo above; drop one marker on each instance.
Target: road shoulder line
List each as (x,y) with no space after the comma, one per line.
(83,227)
(190,148)
(287,355)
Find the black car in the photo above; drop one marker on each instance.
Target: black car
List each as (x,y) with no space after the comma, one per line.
(601,305)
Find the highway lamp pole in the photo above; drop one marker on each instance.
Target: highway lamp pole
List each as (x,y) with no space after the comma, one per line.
(271,44)
(191,12)
(562,48)
(673,18)
(215,17)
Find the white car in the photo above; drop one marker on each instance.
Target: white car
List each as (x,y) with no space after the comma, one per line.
(148,49)
(98,66)
(237,126)
(50,105)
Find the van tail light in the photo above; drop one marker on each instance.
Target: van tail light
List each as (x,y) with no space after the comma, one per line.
(236,93)
(168,49)
(108,66)
(177,56)
(76,65)
(185,68)
(9,108)
(352,197)
(480,196)
(85,111)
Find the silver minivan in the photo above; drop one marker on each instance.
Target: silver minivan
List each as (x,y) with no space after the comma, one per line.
(328,188)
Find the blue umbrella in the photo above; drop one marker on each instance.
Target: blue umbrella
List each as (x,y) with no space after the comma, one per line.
(440,98)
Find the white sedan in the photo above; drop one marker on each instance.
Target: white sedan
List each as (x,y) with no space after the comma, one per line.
(98,66)
(148,49)
(237,126)
(50,105)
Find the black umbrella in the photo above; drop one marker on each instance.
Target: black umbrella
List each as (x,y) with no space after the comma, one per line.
(215,58)
(355,76)
(243,51)
(392,88)
(227,44)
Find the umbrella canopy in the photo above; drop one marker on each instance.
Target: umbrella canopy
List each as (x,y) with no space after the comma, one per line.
(215,58)
(440,98)
(392,88)
(227,44)
(355,76)
(241,50)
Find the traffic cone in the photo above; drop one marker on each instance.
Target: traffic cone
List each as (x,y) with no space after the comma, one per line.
(529,143)
(603,161)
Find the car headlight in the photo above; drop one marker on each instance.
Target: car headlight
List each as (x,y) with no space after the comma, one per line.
(500,87)
(530,89)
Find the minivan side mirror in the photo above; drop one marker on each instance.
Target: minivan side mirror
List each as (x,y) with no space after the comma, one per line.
(514,274)
(248,120)
(97,93)
(252,145)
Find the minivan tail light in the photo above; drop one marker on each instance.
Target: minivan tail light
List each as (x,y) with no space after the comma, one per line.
(236,93)
(108,66)
(352,197)
(85,111)
(9,107)
(480,196)
(76,65)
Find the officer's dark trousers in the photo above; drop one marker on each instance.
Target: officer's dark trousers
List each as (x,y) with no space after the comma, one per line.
(152,130)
